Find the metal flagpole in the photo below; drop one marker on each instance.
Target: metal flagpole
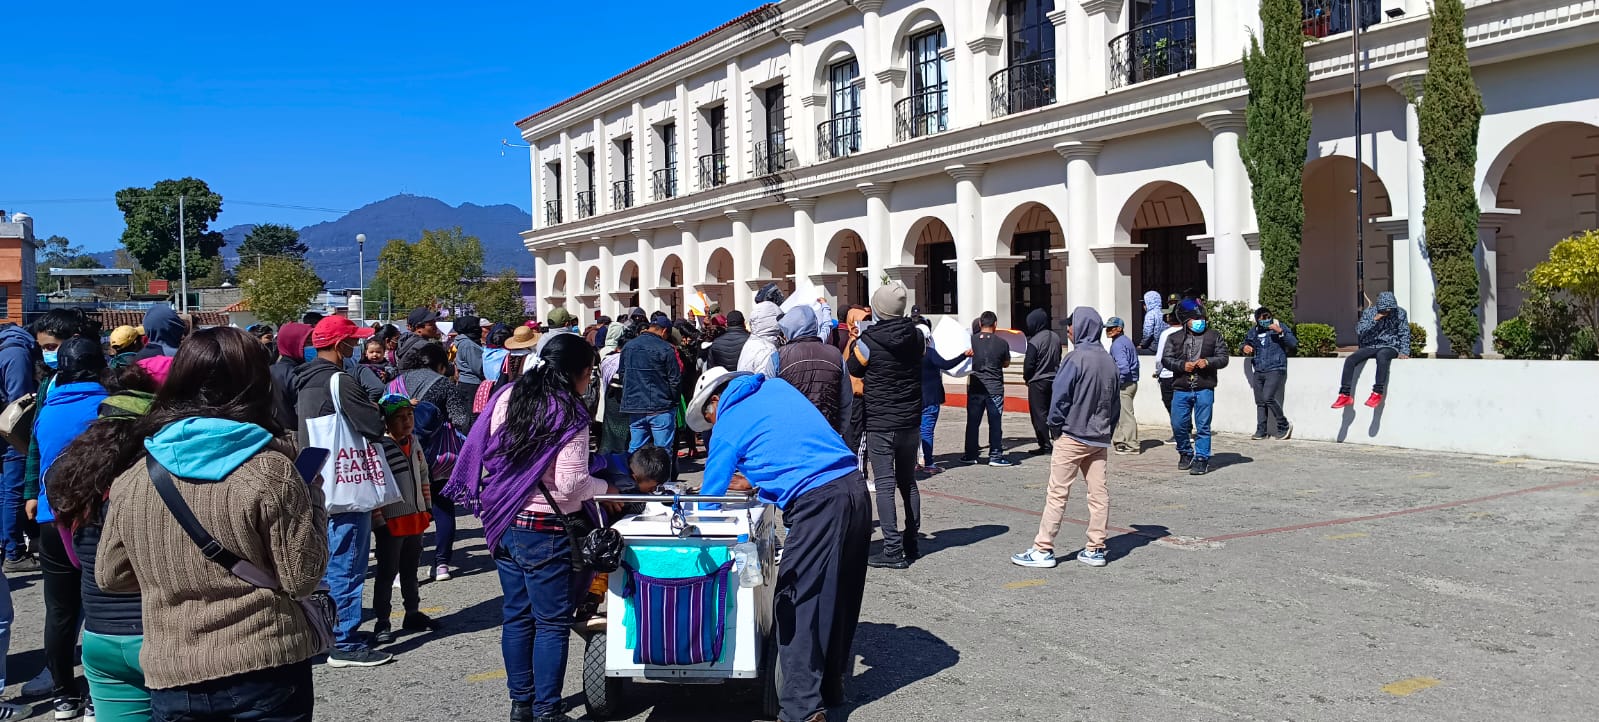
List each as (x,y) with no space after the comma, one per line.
(183,262)
(1360,167)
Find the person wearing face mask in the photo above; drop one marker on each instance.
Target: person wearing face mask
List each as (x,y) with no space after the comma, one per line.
(1193,356)
(349,533)
(1269,343)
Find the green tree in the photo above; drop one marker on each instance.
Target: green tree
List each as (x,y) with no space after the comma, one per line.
(1573,269)
(270,239)
(499,299)
(152,233)
(397,274)
(280,289)
(430,272)
(1450,113)
(1274,147)
(58,252)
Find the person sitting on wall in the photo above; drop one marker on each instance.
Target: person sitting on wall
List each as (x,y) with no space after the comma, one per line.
(1384,333)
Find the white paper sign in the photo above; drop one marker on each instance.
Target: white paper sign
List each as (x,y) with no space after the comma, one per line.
(951,339)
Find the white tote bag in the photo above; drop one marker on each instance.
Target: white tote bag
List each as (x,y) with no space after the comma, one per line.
(356,476)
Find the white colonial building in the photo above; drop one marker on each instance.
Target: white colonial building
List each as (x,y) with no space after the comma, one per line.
(1009,154)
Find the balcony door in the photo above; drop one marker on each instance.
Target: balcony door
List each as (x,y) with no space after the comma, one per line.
(1162,40)
(929,99)
(1028,80)
(842,134)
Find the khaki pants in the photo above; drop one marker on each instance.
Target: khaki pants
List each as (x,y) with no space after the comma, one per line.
(1126,433)
(1070,458)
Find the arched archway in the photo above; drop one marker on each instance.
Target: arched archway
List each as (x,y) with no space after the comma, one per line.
(718,286)
(845,257)
(669,288)
(1162,216)
(1032,232)
(558,284)
(777,265)
(628,282)
(1548,175)
(932,249)
(591,282)
(1326,292)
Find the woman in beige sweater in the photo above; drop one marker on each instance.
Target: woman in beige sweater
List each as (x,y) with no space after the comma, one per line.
(215,645)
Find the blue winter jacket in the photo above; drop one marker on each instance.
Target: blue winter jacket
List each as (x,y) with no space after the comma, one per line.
(1125,354)
(1272,349)
(66,412)
(769,432)
(16,368)
(1393,331)
(650,375)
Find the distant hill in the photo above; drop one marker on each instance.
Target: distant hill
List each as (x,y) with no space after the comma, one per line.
(332,244)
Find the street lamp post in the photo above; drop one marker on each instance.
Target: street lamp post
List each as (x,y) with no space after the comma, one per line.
(360,272)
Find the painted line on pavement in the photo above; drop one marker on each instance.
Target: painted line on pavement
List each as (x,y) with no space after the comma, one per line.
(424,610)
(1410,686)
(486,676)
(1030,512)
(1025,583)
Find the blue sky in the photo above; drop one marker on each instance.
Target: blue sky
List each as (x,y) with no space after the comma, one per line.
(328,104)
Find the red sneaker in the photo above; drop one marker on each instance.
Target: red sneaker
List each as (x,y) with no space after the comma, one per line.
(1343,401)
(1374,400)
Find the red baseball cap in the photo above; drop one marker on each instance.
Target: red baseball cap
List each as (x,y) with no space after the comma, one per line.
(334,329)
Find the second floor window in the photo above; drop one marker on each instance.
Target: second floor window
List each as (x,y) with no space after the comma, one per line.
(585,197)
(926,110)
(622,190)
(713,165)
(1162,42)
(552,207)
(666,176)
(771,154)
(841,134)
(1028,80)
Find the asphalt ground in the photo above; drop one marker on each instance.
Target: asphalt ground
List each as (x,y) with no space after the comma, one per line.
(1297,581)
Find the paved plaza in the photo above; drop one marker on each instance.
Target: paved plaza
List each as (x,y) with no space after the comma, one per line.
(1297,581)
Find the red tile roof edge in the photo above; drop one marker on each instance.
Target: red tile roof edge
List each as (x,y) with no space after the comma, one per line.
(615,78)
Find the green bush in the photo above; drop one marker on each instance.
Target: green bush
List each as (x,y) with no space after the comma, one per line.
(1317,339)
(1232,320)
(1418,340)
(1585,345)
(1553,321)
(1514,339)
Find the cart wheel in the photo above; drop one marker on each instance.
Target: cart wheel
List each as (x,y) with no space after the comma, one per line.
(602,693)
(771,679)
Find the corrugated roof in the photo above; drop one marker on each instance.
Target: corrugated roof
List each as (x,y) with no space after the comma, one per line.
(618,77)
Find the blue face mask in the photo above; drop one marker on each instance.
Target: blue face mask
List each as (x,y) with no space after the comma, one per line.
(1265,322)
(1197,325)
(310,354)
(50,358)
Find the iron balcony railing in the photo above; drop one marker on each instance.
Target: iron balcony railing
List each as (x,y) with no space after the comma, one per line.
(924,113)
(1152,51)
(1021,87)
(1330,17)
(839,137)
(771,156)
(713,170)
(622,194)
(552,211)
(664,181)
(585,204)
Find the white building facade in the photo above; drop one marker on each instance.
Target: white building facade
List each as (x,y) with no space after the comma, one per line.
(1007,155)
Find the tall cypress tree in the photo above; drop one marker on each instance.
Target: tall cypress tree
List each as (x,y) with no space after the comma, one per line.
(1274,147)
(1450,112)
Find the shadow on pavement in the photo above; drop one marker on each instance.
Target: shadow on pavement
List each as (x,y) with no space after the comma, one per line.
(1228,458)
(1141,536)
(486,614)
(952,538)
(896,657)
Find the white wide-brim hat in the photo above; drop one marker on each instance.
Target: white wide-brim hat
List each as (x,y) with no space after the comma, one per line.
(709,384)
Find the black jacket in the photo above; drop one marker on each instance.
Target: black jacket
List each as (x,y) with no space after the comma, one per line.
(891,374)
(103,612)
(313,383)
(1185,346)
(1043,349)
(283,386)
(650,375)
(817,370)
(726,348)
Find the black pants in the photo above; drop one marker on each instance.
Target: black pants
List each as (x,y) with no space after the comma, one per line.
(63,608)
(893,455)
(278,694)
(1038,395)
(854,427)
(396,555)
(1165,393)
(1384,356)
(443,530)
(979,404)
(819,588)
(1268,387)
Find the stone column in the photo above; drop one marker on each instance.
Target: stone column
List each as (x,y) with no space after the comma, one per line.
(969,277)
(1231,188)
(1082,212)
(1419,299)
(1102,20)
(541,283)
(739,247)
(1065,79)
(738,125)
(641,156)
(805,254)
(1488,225)
(801,133)
(608,281)
(602,169)
(568,179)
(537,173)
(874,104)
(574,281)
(648,273)
(878,245)
(690,256)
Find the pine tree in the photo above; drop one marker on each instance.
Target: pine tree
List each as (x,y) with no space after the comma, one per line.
(1450,113)
(1274,147)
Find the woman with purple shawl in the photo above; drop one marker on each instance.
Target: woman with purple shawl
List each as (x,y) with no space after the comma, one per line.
(532,433)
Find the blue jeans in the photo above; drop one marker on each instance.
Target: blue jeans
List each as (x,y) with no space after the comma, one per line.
(275,694)
(929,425)
(11,501)
(8,614)
(978,405)
(652,429)
(349,540)
(536,578)
(1195,404)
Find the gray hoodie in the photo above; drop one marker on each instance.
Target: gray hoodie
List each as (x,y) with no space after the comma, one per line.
(1085,402)
(1043,349)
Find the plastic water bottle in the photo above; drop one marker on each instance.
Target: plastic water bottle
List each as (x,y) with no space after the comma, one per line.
(747,562)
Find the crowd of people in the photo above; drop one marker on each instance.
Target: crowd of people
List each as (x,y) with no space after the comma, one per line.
(156,476)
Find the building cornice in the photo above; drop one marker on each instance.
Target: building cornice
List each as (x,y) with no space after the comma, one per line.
(986,44)
(1221,121)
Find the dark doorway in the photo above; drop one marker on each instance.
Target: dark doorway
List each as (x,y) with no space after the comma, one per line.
(1030,279)
(940,278)
(1169,265)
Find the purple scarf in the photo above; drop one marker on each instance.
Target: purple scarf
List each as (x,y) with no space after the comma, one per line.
(497,496)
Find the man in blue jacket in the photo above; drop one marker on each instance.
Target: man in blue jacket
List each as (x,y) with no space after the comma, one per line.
(1125,354)
(777,443)
(1269,343)
(16,381)
(650,375)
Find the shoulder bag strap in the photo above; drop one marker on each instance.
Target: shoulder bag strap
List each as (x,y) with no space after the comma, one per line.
(333,389)
(209,546)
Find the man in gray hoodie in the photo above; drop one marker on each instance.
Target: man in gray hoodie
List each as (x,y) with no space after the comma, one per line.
(1083,412)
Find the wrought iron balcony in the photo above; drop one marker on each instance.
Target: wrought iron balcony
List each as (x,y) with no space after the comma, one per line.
(713,170)
(585,204)
(665,183)
(839,137)
(1330,17)
(772,156)
(924,113)
(1020,87)
(552,211)
(1152,51)
(622,194)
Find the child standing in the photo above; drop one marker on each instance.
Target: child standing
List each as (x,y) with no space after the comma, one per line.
(399,526)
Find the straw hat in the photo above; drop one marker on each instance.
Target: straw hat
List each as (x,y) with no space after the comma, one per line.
(522,338)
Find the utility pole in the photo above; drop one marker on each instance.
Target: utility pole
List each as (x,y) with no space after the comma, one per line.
(360,272)
(183,262)
(1360,167)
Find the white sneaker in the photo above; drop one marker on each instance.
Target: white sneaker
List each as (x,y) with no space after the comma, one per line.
(40,685)
(1035,557)
(11,711)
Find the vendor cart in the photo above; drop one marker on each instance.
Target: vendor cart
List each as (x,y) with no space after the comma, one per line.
(683,541)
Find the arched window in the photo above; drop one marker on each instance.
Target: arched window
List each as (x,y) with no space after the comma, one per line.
(840,135)
(926,110)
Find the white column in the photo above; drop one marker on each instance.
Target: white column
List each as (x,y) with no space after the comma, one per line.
(1065,77)
(574,281)
(568,179)
(805,261)
(536,173)
(874,108)
(689,252)
(743,296)
(738,126)
(1418,302)
(608,280)
(1090,69)
(1232,193)
(1082,211)
(969,277)
(685,134)
(878,244)
(541,283)
(801,133)
(1487,253)
(641,155)
(648,274)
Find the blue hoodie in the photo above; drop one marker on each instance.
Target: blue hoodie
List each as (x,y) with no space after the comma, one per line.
(16,364)
(769,432)
(1154,322)
(206,449)
(164,330)
(67,411)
